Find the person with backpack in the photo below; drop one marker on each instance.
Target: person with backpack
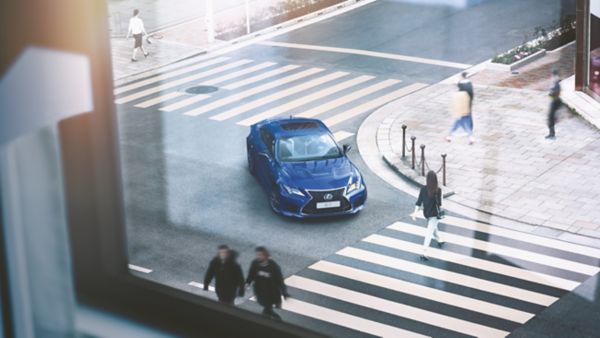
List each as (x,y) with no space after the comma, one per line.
(462,104)
(430,201)
(268,282)
(228,275)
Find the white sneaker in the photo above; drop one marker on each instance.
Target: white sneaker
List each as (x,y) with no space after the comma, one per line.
(471,140)
(449,139)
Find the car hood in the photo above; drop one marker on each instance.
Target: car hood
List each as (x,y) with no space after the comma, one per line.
(322,174)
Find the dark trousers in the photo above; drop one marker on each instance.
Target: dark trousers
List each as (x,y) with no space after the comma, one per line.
(268,311)
(226,296)
(554,105)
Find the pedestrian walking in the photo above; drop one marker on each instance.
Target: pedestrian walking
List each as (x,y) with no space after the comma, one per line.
(555,103)
(268,282)
(136,28)
(228,275)
(461,108)
(430,201)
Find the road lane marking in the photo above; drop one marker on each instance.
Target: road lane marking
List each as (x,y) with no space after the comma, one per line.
(185,102)
(159,99)
(276,96)
(167,75)
(522,236)
(348,98)
(346,320)
(180,81)
(304,100)
(363,52)
(503,250)
(448,276)
(473,262)
(260,77)
(201,286)
(239,73)
(341,135)
(396,309)
(375,103)
(422,291)
(253,91)
(139,268)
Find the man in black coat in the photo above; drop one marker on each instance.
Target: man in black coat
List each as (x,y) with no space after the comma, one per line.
(268,282)
(228,275)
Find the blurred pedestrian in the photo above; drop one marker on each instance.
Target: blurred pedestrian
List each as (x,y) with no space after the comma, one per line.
(430,201)
(555,103)
(228,275)
(268,282)
(136,28)
(462,103)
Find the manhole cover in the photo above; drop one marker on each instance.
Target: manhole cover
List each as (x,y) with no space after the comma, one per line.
(201,89)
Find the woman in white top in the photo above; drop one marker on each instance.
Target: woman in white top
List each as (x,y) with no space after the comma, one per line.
(136,28)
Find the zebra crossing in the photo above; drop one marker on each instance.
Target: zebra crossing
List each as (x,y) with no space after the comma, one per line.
(486,281)
(250,91)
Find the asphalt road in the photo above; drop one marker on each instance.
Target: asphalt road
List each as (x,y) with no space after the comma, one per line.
(185,178)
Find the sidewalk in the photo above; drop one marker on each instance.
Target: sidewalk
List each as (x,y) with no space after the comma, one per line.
(511,171)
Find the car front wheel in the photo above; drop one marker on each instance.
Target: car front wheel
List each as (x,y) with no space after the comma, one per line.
(251,165)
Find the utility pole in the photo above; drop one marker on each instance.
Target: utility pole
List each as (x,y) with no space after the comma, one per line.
(210,22)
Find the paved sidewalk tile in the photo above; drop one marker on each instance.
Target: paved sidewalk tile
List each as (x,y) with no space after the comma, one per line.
(511,170)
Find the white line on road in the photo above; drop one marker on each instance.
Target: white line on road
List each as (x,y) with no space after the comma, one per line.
(363,52)
(341,135)
(375,103)
(396,309)
(139,268)
(201,286)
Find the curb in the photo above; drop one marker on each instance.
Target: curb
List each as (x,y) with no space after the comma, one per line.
(263,34)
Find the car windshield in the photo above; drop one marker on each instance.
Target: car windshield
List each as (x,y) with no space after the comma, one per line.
(307,148)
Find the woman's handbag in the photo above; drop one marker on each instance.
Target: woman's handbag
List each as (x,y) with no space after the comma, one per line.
(441,212)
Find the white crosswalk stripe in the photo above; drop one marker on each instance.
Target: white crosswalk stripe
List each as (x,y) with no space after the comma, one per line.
(262,90)
(282,109)
(180,81)
(250,92)
(168,75)
(494,296)
(278,95)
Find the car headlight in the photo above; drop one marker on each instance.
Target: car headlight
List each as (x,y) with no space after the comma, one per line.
(353,185)
(292,191)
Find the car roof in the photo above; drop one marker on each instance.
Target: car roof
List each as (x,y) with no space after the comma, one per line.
(293,126)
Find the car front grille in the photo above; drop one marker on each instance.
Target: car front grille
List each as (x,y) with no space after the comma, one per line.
(318,196)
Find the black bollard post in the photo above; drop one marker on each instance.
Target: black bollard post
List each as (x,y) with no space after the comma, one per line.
(422,159)
(403,140)
(444,169)
(412,150)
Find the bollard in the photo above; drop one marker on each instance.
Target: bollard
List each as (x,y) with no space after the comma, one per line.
(412,147)
(444,169)
(422,159)
(403,140)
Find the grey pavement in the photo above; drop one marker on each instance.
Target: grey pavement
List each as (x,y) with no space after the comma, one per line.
(185,179)
(511,170)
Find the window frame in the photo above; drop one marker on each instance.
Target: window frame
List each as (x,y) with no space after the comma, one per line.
(95,213)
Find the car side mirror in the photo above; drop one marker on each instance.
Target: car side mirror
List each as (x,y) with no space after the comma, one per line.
(346,148)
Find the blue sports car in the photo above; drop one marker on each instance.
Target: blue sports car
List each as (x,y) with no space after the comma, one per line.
(303,170)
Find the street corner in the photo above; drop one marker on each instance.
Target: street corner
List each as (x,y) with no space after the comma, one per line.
(510,170)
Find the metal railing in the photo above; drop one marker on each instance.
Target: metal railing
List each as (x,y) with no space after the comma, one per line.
(422,165)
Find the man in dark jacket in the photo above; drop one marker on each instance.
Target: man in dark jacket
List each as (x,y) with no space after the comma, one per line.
(268,282)
(555,103)
(229,279)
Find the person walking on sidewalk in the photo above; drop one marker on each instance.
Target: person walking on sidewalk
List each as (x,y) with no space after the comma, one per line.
(461,109)
(136,28)
(268,282)
(228,275)
(430,201)
(555,103)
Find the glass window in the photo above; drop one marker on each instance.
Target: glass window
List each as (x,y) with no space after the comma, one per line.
(594,74)
(308,148)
